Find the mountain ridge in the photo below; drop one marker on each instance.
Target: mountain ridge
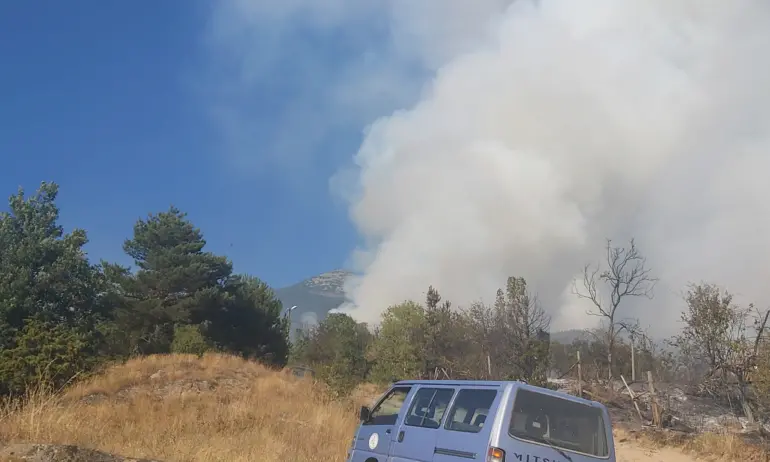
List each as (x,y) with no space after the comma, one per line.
(315,296)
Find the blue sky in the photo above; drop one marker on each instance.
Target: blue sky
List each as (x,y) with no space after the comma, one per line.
(134,106)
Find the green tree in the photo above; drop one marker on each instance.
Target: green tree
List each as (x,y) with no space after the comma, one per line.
(176,281)
(398,348)
(507,341)
(440,337)
(336,349)
(249,321)
(46,353)
(188,339)
(49,293)
(178,284)
(531,325)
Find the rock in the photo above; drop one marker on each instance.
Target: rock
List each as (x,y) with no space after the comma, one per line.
(58,453)
(157,375)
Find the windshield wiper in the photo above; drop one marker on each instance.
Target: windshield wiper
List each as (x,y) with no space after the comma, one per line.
(548,443)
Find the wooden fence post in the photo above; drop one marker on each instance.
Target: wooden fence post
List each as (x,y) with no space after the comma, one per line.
(653,401)
(633,398)
(580,375)
(633,360)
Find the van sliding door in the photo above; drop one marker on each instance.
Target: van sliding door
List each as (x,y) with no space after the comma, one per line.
(418,432)
(465,435)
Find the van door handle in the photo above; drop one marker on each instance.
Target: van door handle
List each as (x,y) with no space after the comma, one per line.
(401,436)
(387,432)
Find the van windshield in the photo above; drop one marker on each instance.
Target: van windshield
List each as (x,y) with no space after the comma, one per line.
(558,422)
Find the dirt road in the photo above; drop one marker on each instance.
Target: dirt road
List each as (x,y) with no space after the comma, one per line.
(631,451)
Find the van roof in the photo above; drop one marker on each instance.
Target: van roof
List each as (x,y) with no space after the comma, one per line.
(501,384)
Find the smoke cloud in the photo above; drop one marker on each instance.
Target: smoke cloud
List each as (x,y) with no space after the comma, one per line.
(525,133)
(549,126)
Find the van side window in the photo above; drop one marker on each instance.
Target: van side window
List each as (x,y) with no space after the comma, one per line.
(428,407)
(558,422)
(386,412)
(470,410)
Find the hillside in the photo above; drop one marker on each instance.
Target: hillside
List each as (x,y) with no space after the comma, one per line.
(314,297)
(182,408)
(223,408)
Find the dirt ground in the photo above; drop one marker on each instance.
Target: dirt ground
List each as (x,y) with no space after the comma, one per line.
(631,451)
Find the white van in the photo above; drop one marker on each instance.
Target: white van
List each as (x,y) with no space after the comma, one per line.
(456,421)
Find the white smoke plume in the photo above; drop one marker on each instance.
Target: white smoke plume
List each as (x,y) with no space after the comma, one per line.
(551,125)
(543,128)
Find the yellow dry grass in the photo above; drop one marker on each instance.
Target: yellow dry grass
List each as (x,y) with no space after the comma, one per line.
(216,408)
(223,408)
(725,447)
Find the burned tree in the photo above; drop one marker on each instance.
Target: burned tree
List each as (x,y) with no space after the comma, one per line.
(726,336)
(625,275)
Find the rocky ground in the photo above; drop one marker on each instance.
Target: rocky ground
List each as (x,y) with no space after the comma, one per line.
(58,453)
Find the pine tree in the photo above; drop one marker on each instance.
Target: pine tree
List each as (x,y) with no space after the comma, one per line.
(176,281)
(49,294)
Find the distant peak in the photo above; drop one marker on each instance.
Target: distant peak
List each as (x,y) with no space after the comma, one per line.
(335,273)
(331,281)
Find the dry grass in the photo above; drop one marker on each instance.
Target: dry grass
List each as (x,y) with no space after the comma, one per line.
(223,408)
(724,446)
(710,446)
(216,408)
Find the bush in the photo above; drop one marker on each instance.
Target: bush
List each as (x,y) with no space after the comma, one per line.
(188,339)
(47,354)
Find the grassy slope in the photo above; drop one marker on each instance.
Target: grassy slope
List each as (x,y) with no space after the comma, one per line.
(220,408)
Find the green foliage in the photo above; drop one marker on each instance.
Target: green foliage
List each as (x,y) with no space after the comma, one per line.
(336,350)
(506,342)
(176,282)
(248,321)
(397,351)
(49,293)
(60,315)
(188,339)
(179,284)
(521,327)
(45,352)
(441,333)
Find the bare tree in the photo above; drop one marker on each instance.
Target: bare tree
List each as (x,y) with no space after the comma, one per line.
(625,274)
(726,336)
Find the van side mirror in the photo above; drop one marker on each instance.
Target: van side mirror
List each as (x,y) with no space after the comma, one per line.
(364,414)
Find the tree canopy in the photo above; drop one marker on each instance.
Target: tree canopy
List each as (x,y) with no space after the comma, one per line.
(60,314)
